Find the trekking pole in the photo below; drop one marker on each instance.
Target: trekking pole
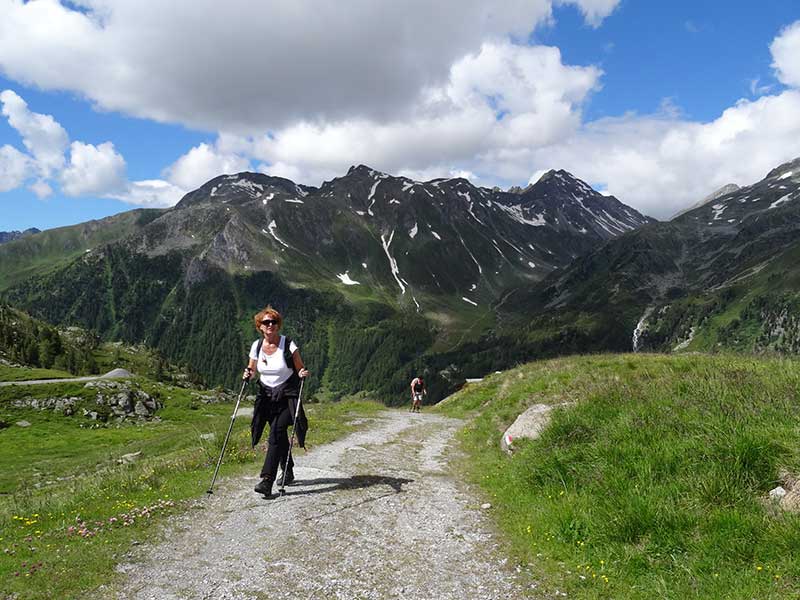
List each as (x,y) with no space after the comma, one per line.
(228,435)
(282,489)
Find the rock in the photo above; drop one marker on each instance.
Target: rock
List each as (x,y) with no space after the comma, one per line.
(245,411)
(208,436)
(528,425)
(117,374)
(23,423)
(486,505)
(777,493)
(65,406)
(140,409)
(127,459)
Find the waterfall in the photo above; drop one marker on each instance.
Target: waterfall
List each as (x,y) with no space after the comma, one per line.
(637,333)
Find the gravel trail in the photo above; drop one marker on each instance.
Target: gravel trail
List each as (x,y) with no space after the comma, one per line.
(374,515)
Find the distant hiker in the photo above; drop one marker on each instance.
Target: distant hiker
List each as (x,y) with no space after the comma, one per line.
(418,390)
(277,360)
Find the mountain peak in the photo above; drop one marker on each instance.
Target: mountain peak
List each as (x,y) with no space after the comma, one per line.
(559,174)
(793,166)
(364,170)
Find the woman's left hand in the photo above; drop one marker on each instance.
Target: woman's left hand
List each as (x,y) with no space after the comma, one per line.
(303,373)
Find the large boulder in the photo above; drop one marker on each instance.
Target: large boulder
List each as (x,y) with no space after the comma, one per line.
(528,425)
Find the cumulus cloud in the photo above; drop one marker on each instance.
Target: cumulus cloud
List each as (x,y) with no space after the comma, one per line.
(594,11)
(93,170)
(202,163)
(271,63)
(786,55)
(661,163)
(152,193)
(504,97)
(15,168)
(41,188)
(44,138)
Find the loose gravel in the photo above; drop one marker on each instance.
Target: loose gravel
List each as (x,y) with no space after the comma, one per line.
(377,514)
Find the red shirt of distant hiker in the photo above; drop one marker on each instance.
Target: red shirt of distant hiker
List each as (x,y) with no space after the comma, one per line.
(280,369)
(418,390)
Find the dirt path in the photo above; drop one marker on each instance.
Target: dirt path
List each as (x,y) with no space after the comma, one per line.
(375,515)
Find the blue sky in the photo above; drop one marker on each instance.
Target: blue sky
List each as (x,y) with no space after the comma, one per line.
(657,103)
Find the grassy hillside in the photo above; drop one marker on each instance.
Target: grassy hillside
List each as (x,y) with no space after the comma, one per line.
(71,505)
(48,250)
(652,478)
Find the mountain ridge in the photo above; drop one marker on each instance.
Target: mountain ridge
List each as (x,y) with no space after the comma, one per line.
(349,261)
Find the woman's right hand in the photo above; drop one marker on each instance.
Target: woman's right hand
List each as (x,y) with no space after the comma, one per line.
(248,373)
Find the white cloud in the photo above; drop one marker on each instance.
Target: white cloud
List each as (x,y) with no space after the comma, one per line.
(271,63)
(504,98)
(786,55)
(44,138)
(15,168)
(660,164)
(594,11)
(202,163)
(41,188)
(153,193)
(93,170)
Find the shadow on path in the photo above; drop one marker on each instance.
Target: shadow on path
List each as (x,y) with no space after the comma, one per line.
(350,483)
(353,482)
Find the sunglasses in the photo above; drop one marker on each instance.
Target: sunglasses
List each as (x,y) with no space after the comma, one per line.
(269,322)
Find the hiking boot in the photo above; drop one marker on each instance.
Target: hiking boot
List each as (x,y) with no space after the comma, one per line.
(289,478)
(264,487)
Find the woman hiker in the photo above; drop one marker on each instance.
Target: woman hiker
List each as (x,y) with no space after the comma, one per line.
(279,366)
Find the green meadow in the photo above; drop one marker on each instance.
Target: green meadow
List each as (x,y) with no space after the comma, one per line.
(652,479)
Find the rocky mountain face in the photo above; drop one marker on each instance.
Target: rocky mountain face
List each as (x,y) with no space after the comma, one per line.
(721,275)
(348,263)
(7,236)
(408,241)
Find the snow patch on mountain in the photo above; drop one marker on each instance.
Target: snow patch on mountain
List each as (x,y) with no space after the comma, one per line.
(468,199)
(412,233)
(392,262)
(252,188)
(517,214)
(465,299)
(475,260)
(272,227)
(780,201)
(345,279)
(718,210)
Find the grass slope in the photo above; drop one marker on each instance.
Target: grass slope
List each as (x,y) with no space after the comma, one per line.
(70,508)
(651,479)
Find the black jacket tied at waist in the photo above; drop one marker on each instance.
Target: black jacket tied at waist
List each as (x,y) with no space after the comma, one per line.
(270,402)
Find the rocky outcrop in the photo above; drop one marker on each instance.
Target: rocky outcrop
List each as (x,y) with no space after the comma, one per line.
(114,401)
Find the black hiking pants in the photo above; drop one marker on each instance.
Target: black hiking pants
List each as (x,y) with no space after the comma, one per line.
(280,418)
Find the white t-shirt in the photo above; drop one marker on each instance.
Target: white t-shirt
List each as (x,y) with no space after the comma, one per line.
(272,368)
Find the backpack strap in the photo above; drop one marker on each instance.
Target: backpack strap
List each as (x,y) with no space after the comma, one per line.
(258,348)
(287,353)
